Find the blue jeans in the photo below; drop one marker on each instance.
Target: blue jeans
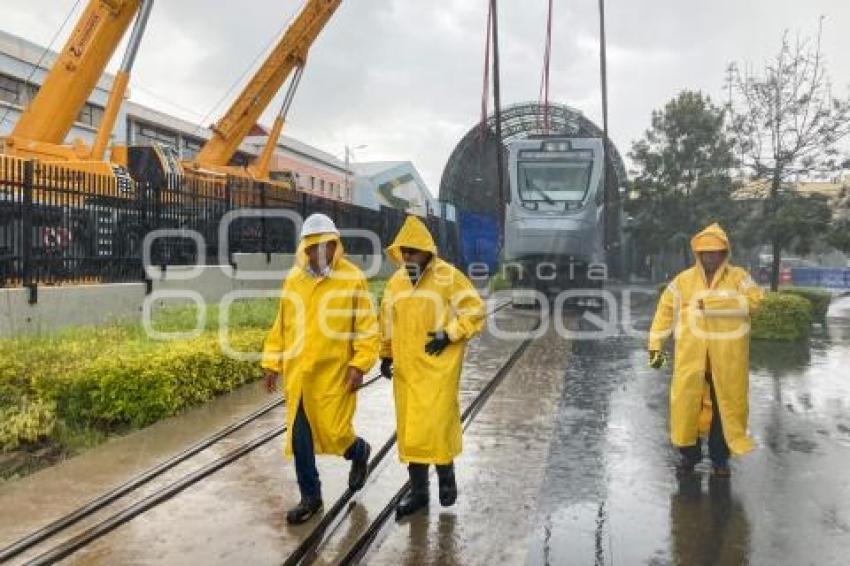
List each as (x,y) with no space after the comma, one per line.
(305,456)
(718,450)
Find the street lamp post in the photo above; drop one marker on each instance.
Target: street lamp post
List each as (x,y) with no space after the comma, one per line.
(348,154)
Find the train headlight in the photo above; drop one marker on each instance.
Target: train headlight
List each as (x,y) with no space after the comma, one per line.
(556,146)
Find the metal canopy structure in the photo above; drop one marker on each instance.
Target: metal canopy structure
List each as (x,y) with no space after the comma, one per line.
(470,180)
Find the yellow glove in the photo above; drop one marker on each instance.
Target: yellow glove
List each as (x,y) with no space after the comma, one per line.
(657,359)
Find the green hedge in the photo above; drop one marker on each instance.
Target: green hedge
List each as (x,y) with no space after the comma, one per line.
(115,387)
(83,383)
(782,316)
(819,299)
(145,383)
(112,378)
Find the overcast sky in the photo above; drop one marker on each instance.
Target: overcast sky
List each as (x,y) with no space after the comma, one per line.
(404,77)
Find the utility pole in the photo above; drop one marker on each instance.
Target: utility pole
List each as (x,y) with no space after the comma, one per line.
(608,217)
(348,153)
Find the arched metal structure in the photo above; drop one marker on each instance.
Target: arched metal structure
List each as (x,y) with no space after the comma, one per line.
(469,179)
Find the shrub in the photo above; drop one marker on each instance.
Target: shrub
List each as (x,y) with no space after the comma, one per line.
(81,383)
(146,382)
(102,379)
(783,317)
(28,422)
(819,299)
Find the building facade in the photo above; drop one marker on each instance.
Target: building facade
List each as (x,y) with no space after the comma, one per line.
(396,184)
(24,66)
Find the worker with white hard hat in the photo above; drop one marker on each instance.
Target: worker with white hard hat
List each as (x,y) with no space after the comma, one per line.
(322,352)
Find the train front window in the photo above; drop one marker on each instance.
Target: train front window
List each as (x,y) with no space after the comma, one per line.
(554,181)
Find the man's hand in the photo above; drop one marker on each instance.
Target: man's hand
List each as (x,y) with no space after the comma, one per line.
(439,342)
(657,359)
(271,380)
(354,377)
(387,367)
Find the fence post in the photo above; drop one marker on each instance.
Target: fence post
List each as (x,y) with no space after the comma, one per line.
(263,235)
(228,197)
(26,236)
(143,190)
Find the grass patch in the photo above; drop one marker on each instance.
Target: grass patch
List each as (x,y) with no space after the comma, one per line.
(70,390)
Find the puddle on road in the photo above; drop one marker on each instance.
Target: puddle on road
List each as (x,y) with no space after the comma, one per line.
(611,496)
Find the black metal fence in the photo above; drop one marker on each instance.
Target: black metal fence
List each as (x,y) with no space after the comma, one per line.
(59,226)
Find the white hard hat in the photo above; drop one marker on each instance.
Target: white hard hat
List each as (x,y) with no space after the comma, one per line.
(318,224)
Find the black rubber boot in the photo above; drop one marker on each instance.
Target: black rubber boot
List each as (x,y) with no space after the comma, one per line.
(359,468)
(448,486)
(721,470)
(302,512)
(417,497)
(686,465)
(689,457)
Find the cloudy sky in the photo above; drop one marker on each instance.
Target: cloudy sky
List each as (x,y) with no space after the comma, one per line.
(404,77)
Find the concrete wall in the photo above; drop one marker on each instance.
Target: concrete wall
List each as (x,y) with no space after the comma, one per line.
(82,305)
(60,307)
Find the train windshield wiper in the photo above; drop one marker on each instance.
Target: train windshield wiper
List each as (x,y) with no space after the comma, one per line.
(530,186)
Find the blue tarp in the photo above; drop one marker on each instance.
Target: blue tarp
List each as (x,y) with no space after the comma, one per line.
(479,239)
(832,277)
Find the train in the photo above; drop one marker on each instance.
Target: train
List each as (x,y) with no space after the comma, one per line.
(555,230)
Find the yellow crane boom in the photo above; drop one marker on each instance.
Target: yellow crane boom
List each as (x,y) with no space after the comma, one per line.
(45,123)
(289,54)
(76,72)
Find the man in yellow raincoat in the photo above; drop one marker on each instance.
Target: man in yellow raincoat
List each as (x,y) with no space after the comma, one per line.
(710,306)
(324,339)
(428,312)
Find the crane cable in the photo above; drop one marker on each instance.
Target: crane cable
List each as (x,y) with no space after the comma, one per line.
(610,194)
(485,91)
(544,122)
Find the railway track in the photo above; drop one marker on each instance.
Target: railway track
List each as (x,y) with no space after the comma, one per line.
(130,486)
(303,553)
(101,528)
(310,547)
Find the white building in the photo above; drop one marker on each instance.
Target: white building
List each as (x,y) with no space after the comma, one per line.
(396,184)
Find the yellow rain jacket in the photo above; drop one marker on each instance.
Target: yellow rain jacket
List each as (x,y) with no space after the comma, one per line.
(716,337)
(426,388)
(323,326)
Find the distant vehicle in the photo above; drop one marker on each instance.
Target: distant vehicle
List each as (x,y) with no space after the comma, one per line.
(785,267)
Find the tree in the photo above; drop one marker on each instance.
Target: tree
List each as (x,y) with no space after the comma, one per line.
(839,235)
(786,125)
(683,182)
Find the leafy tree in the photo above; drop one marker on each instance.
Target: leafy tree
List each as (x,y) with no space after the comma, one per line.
(683,182)
(839,235)
(786,125)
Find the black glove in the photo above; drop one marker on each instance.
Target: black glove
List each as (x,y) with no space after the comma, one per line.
(439,342)
(657,359)
(387,367)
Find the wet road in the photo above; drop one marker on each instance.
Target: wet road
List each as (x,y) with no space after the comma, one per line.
(610,496)
(568,463)
(499,474)
(238,513)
